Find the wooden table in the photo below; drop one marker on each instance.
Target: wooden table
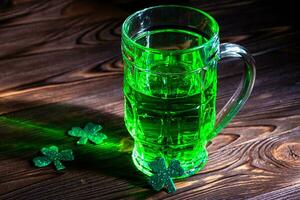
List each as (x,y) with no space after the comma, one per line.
(61,67)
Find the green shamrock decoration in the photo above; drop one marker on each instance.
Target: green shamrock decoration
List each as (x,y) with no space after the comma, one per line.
(52,154)
(163,175)
(90,132)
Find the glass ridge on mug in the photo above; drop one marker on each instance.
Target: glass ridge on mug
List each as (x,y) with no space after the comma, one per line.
(170,56)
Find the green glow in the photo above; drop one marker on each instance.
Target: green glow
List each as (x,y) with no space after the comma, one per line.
(26,136)
(29,125)
(22,139)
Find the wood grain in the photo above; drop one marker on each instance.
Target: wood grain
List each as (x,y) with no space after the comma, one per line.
(61,67)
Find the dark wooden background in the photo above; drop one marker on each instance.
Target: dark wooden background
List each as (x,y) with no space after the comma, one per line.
(60,67)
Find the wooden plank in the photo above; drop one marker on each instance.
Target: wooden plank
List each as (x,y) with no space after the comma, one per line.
(61,67)
(291,193)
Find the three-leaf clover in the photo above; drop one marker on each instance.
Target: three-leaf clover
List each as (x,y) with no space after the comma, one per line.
(90,132)
(52,154)
(163,175)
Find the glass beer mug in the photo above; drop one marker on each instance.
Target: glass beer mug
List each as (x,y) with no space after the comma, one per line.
(170,56)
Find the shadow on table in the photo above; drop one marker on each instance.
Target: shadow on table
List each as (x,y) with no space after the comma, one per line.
(25,132)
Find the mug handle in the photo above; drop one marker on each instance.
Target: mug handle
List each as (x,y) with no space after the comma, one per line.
(244,90)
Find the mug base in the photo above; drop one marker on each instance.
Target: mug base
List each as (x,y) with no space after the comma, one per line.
(143,165)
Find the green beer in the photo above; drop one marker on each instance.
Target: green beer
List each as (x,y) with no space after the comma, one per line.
(170,86)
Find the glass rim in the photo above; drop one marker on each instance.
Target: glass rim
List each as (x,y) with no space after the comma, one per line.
(209,41)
